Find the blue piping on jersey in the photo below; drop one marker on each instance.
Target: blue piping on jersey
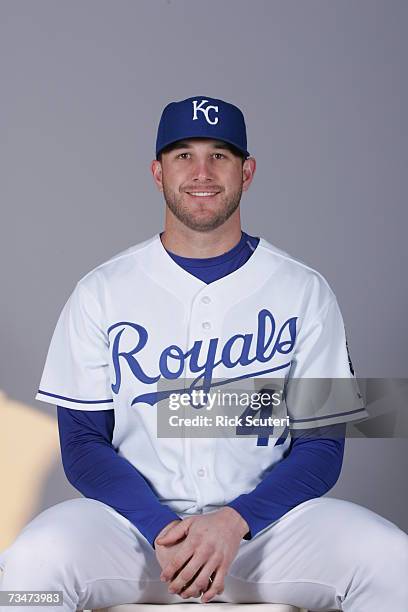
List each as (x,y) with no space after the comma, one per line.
(70,399)
(329,416)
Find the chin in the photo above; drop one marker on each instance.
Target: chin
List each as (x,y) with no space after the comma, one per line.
(202,226)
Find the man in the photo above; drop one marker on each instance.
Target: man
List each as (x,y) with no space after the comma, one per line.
(203,304)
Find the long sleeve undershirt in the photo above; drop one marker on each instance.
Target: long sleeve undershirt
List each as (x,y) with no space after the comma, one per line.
(93,466)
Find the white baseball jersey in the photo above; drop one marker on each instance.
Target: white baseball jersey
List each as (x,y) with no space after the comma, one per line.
(140,319)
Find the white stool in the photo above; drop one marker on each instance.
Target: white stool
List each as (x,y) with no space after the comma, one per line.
(193,607)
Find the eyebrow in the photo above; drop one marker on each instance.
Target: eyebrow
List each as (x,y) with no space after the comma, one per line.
(218,144)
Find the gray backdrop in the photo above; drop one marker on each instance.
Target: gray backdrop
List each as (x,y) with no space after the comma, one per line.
(323,87)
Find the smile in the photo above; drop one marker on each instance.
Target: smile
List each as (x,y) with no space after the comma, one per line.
(202,194)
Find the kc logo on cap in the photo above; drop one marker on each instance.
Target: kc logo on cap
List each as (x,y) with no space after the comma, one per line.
(205,110)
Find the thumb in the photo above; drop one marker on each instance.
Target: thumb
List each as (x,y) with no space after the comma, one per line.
(175,533)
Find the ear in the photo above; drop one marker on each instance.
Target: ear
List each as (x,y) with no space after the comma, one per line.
(156,170)
(248,172)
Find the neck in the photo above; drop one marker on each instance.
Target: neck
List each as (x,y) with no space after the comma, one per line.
(187,242)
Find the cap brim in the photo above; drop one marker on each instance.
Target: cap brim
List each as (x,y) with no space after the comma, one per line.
(170,142)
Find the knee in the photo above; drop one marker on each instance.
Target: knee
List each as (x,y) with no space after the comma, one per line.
(384,553)
(395,550)
(41,550)
(366,534)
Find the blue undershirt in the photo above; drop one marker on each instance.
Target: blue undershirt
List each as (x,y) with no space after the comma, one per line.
(92,465)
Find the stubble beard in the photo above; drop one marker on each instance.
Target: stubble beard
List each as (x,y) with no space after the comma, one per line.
(185,214)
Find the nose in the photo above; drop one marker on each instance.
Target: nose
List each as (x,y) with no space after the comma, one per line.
(202,169)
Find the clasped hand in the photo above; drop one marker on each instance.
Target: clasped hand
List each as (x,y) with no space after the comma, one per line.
(195,553)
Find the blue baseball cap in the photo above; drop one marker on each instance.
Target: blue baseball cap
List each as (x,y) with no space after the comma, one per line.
(202,117)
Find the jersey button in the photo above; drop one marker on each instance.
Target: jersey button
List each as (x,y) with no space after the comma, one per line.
(206,325)
(206,299)
(201,473)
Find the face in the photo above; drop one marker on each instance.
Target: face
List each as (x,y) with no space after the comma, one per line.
(202,181)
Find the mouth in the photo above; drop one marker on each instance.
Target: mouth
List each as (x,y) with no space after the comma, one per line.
(202,194)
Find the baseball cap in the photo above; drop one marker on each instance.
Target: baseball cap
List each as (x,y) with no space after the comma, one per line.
(202,117)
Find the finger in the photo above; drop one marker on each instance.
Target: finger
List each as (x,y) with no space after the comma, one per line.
(187,573)
(174,534)
(176,564)
(201,582)
(217,586)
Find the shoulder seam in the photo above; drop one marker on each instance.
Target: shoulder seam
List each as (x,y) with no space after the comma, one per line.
(287,257)
(135,249)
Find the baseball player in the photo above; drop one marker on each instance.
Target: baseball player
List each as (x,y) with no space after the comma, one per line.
(197,308)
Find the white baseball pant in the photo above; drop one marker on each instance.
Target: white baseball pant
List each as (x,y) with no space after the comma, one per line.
(325,554)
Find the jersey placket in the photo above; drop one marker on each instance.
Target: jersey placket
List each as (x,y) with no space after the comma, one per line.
(204,325)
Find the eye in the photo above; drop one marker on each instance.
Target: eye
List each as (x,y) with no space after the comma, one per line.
(182,155)
(219,155)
